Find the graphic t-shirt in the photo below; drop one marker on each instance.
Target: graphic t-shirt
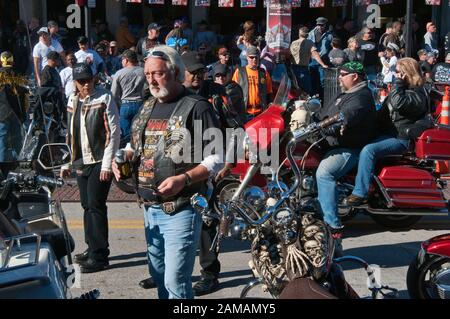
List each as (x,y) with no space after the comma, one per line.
(155,130)
(159,126)
(369,52)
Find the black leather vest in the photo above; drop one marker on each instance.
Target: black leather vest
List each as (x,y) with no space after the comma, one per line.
(262,85)
(167,160)
(97,128)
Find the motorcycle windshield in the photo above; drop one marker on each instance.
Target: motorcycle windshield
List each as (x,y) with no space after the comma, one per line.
(282,97)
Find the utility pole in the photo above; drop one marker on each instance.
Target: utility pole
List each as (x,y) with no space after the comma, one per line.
(409,27)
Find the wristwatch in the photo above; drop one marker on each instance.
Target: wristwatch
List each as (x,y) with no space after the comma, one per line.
(188,181)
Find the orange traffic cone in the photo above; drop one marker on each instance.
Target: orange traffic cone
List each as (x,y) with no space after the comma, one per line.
(442,167)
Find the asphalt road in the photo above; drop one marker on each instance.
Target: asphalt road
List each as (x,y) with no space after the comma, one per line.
(391,250)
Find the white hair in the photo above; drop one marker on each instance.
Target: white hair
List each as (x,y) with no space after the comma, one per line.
(174,62)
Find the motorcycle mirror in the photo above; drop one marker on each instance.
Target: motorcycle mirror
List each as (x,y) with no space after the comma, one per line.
(313,105)
(199,203)
(54,156)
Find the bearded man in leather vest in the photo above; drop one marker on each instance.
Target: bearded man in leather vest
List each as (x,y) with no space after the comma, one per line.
(168,178)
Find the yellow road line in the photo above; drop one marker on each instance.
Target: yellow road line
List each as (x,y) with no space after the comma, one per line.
(112,224)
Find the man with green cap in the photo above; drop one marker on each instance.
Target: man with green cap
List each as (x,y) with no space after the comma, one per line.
(357,105)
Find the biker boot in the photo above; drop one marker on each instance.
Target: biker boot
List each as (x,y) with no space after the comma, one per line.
(354,201)
(80,258)
(147,283)
(205,285)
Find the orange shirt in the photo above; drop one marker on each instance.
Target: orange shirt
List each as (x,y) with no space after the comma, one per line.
(254,101)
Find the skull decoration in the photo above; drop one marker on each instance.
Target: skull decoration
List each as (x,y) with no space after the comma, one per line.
(313,250)
(311,231)
(307,220)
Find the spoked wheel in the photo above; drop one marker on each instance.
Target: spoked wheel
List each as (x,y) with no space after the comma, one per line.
(223,192)
(431,280)
(395,221)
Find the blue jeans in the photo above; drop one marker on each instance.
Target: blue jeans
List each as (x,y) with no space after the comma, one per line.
(10,139)
(128,111)
(382,146)
(334,165)
(172,242)
(303,77)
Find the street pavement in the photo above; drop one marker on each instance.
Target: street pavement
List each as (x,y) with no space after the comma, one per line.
(391,250)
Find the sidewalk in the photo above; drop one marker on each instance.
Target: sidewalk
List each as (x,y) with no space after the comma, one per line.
(71,194)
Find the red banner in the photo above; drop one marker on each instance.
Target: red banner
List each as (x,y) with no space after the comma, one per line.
(180,2)
(279,24)
(316,3)
(363,2)
(433,2)
(226,3)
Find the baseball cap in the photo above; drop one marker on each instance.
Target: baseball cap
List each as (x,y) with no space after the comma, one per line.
(82,40)
(52,24)
(252,50)
(220,68)
(113,44)
(82,71)
(321,21)
(353,67)
(223,51)
(192,61)
(153,26)
(43,30)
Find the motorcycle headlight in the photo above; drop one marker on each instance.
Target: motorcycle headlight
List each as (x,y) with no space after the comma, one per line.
(256,197)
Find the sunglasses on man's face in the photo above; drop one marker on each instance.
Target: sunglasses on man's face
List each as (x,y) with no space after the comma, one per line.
(252,57)
(221,75)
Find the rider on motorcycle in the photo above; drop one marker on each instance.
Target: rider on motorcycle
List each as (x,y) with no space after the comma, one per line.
(357,104)
(405,105)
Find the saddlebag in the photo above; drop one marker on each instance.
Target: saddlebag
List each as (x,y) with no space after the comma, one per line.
(434,144)
(410,187)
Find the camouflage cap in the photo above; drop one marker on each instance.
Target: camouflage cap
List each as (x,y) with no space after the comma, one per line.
(353,67)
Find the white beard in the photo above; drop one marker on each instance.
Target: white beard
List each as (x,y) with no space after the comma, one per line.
(159,94)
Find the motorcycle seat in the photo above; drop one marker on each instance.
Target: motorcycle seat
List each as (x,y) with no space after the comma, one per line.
(53,235)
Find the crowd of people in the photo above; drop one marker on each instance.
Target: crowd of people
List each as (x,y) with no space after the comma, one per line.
(161,82)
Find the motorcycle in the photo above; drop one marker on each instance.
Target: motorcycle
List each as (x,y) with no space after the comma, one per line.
(405,188)
(35,244)
(428,274)
(291,245)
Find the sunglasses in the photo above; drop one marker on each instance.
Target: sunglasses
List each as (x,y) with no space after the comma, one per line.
(156,54)
(84,81)
(221,75)
(252,57)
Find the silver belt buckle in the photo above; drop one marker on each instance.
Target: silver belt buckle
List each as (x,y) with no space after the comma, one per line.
(168,207)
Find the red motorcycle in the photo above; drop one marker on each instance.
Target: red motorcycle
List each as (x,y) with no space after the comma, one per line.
(429,273)
(405,187)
